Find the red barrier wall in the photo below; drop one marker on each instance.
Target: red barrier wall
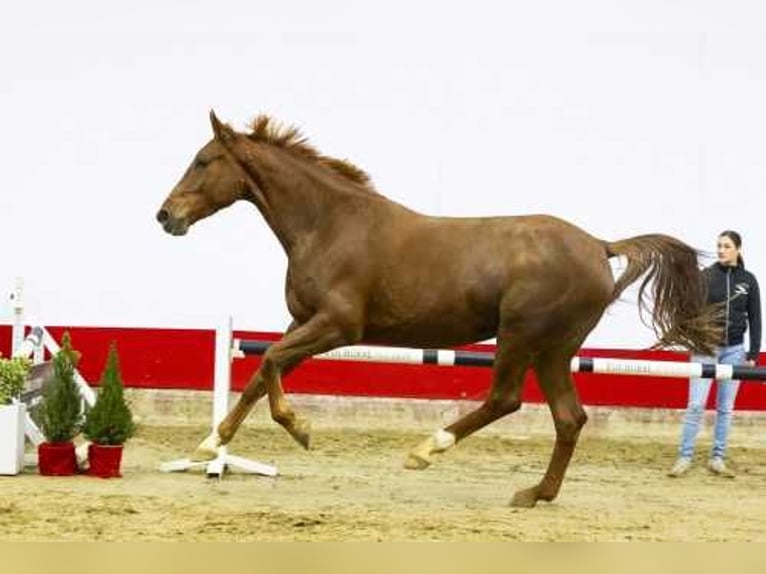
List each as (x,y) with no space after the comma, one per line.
(183,359)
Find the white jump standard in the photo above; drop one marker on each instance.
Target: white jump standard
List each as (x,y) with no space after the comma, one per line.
(34,345)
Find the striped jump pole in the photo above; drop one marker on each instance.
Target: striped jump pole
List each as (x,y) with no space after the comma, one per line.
(408,356)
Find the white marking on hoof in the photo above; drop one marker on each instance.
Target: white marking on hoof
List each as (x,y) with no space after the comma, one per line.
(420,457)
(443,440)
(207,449)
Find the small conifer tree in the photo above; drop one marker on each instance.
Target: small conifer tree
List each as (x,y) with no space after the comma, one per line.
(61,412)
(110,421)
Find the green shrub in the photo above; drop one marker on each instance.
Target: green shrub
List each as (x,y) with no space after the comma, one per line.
(110,422)
(13,374)
(61,411)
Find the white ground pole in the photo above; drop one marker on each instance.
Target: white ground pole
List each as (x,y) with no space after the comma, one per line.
(221,390)
(34,345)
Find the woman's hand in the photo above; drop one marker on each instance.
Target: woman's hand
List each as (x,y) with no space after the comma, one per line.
(750,363)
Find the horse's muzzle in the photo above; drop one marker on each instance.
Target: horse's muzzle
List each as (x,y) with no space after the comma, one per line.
(172,225)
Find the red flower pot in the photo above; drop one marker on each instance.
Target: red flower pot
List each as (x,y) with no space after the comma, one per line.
(56,459)
(104,460)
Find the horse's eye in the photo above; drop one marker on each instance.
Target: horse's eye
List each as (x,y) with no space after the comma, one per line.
(200,164)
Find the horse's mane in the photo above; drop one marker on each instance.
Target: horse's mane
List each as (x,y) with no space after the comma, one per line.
(267,130)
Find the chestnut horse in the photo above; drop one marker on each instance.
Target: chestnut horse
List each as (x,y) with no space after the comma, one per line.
(364,268)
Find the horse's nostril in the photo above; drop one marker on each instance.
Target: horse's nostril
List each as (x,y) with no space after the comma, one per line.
(162,215)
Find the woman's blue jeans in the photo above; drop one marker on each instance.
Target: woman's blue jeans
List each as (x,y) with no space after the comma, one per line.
(725,397)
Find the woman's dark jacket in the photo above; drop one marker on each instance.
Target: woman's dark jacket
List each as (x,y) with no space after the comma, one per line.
(737,288)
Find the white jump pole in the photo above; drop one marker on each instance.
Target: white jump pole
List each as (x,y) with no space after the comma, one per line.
(29,344)
(221,390)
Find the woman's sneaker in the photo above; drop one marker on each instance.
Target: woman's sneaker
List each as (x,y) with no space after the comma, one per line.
(717,466)
(680,468)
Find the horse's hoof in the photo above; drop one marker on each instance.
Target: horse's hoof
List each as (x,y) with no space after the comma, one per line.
(203,454)
(301,432)
(526,498)
(207,450)
(416,462)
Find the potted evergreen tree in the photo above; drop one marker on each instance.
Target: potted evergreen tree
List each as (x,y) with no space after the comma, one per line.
(13,373)
(60,415)
(109,423)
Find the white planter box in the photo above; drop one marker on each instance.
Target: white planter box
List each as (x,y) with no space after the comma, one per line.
(12,438)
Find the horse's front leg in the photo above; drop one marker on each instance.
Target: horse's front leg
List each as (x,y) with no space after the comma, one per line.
(221,435)
(226,429)
(317,335)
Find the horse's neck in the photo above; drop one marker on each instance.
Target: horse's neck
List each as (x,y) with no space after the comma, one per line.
(298,200)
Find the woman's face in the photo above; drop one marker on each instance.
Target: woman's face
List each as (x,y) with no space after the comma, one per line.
(727,251)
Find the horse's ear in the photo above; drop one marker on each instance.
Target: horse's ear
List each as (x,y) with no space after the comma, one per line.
(222,132)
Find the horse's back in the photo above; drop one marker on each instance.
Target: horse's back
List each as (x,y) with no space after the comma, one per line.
(450,279)
(495,248)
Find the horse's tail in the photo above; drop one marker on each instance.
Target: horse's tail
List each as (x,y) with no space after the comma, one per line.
(677,302)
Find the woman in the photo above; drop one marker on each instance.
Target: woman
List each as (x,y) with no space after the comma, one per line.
(736,289)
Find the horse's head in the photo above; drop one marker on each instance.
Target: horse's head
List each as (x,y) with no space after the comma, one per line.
(214,180)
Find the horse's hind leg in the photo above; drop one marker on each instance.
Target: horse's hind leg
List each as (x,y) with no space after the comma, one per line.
(555,379)
(511,362)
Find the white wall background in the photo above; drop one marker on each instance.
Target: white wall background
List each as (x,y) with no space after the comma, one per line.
(623,117)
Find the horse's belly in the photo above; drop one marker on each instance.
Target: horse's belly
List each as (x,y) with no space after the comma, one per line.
(421,339)
(425,326)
